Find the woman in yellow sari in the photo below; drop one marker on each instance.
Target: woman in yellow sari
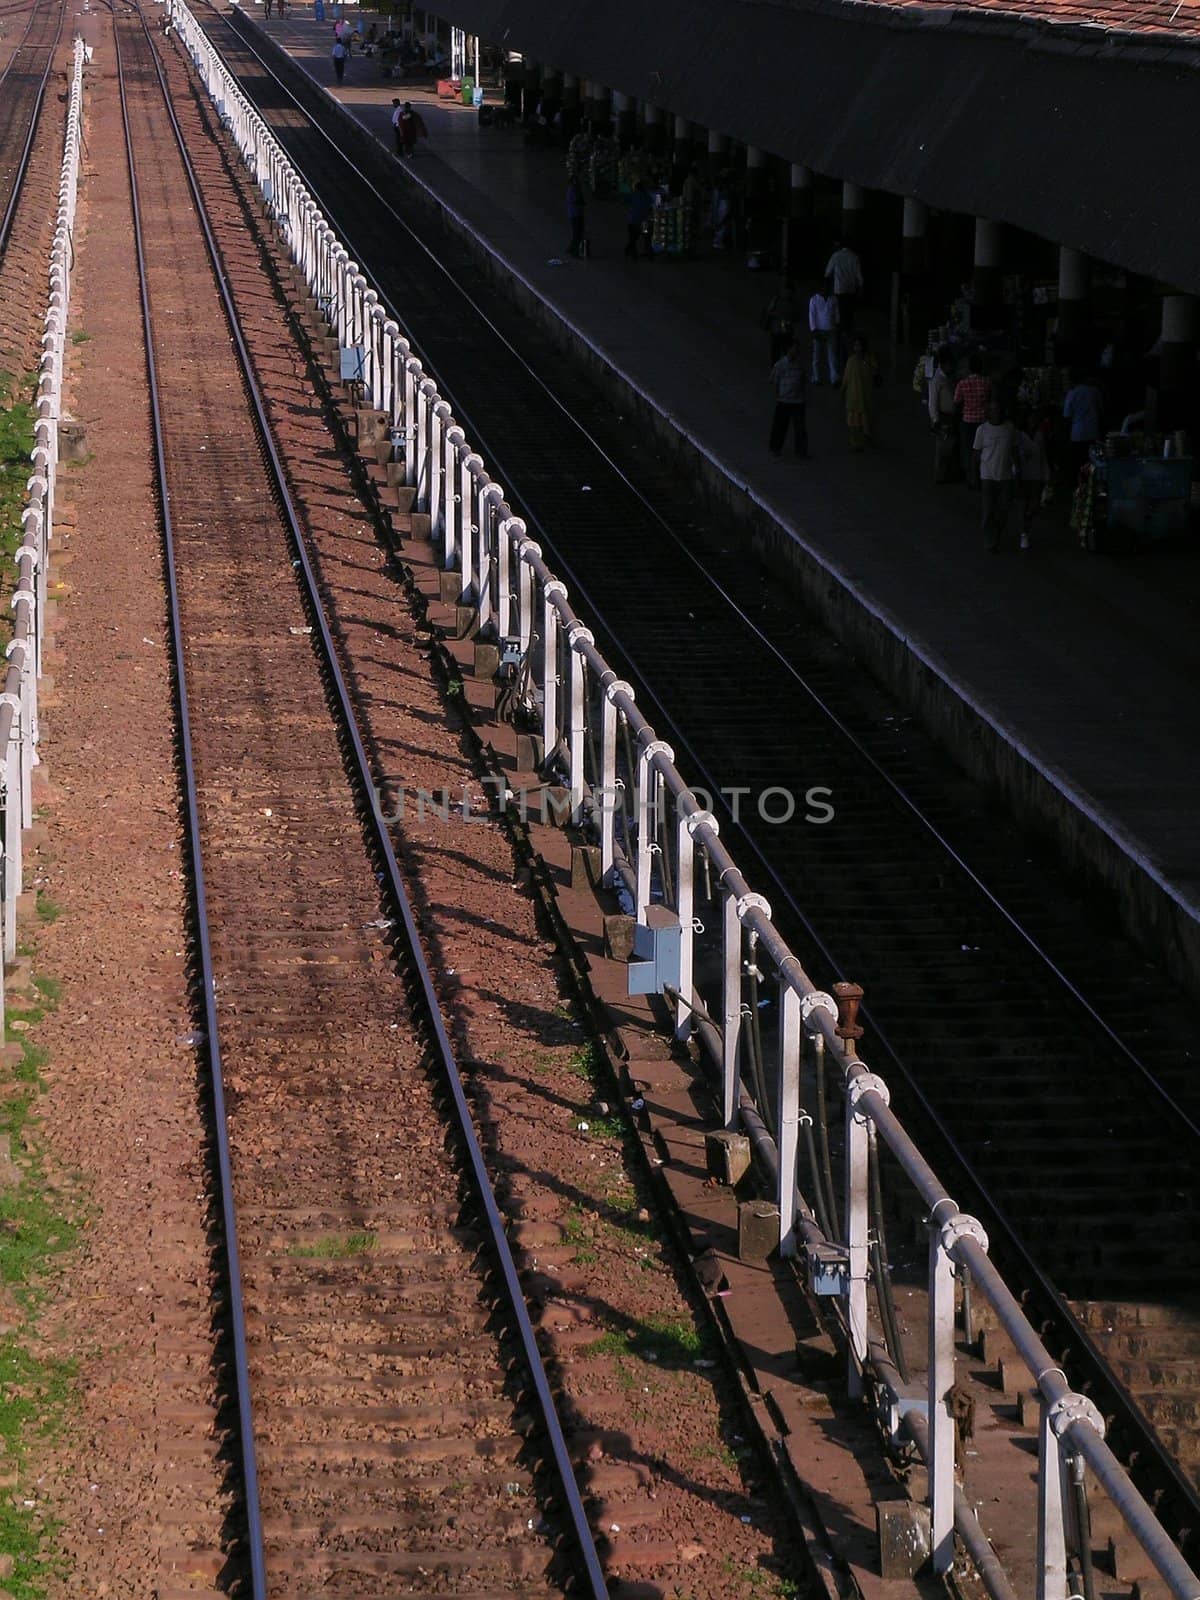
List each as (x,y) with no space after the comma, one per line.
(858,386)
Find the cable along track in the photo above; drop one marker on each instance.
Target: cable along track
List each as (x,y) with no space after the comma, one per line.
(394,1422)
(1064,1090)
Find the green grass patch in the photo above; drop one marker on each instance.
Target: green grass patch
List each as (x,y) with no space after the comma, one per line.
(574,1226)
(80,337)
(761,1583)
(48,910)
(16,443)
(606,1127)
(49,988)
(585,1062)
(36,1386)
(336,1247)
(660,1340)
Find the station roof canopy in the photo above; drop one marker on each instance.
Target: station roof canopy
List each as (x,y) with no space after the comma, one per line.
(1078,120)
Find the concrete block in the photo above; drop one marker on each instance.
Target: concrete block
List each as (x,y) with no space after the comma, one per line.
(1013,1374)
(727,1156)
(529,752)
(585,866)
(558,805)
(618,936)
(758,1230)
(371,427)
(487,658)
(382,455)
(480,695)
(466,620)
(450,586)
(72,441)
(420,525)
(904,1538)
(18,978)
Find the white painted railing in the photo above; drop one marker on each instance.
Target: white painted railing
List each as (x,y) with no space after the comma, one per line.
(657,841)
(19,698)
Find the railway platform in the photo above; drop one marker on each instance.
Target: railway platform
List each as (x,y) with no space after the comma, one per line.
(1064,676)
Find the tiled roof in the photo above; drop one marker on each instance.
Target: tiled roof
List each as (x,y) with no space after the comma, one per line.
(1173,19)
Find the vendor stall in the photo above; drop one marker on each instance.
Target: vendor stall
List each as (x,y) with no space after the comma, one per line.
(1130,494)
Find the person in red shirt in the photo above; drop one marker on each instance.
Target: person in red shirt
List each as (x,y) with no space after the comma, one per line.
(971,397)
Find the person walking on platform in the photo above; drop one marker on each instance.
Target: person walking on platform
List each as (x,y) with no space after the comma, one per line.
(790,383)
(577,217)
(397,112)
(781,314)
(1035,472)
(823,327)
(858,387)
(845,269)
(971,396)
(1082,408)
(943,416)
(638,212)
(267,7)
(339,60)
(998,465)
(410,126)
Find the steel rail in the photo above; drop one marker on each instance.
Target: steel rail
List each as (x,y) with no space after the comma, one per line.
(462,411)
(246,1445)
(429,1004)
(10,209)
(6,11)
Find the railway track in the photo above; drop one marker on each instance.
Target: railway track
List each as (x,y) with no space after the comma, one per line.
(393,1425)
(22,92)
(1055,1070)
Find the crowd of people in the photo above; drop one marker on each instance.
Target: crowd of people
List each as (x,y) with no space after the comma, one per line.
(986,435)
(395,52)
(835,347)
(1008,451)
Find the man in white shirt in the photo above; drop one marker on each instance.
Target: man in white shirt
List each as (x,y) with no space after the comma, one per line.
(823,326)
(996,454)
(845,269)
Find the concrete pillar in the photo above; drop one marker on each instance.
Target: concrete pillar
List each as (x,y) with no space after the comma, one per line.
(798,248)
(854,200)
(531,86)
(914,249)
(800,193)
(552,85)
(985,280)
(655,127)
(1177,360)
(623,116)
(1073,304)
(601,105)
(756,174)
(683,142)
(716,143)
(570,90)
